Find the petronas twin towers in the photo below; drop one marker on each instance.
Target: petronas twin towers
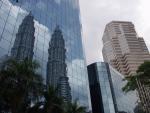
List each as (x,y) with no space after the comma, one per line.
(56,66)
(24,41)
(29,29)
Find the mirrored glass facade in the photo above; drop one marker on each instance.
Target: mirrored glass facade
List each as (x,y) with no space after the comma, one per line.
(47,14)
(125,101)
(102,97)
(106,90)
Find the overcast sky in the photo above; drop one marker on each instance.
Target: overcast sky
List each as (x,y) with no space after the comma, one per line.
(95,14)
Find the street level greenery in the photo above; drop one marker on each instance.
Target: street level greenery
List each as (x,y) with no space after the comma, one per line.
(142,75)
(141,78)
(22,91)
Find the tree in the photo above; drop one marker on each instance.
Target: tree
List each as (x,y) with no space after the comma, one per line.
(141,83)
(74,108)
(20,85)
(52,103)
(144,73)
(22,91)
(142,76)
(131,84)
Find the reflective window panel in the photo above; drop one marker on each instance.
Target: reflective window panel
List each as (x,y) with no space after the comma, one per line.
(26,28)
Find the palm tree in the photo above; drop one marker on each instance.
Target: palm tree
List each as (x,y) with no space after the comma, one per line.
(142,76)
(131,84)
(75,108)
(141,83)
(22,91)
(19,85)
(36,108)
(144,73)
(52,103)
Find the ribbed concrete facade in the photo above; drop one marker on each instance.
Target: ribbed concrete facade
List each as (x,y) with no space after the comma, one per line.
(122,48)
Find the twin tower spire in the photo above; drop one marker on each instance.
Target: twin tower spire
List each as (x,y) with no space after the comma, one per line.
(56,66)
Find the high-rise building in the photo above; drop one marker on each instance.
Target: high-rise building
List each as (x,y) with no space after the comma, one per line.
(123,48)
(56,65)
(106,90)
(24,41)
(47,15)
(102,95)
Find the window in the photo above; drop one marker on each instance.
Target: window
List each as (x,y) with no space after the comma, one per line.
(7,35)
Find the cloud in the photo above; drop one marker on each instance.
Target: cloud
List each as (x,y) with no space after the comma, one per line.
(75,3)
(143,26)
(41,5)
(96,14)
(78,81)
(58,1)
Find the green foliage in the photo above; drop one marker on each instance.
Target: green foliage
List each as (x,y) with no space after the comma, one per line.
(143,75)
(145,67)
(75,108)
(52,103)
(19,84)
(131,84)
(22,91)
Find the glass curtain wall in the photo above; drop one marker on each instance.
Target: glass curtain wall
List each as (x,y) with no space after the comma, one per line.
(108,98)
(126,102)
(101,88)
(47,15)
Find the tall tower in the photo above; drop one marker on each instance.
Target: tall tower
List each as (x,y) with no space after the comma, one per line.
(47,14)
(24,42)
(101,88)
(123,49)
(56,66)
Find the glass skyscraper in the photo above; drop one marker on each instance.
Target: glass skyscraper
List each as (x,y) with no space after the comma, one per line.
(45,15)
(106,90)
(24,41)
(102,95)
(56,66)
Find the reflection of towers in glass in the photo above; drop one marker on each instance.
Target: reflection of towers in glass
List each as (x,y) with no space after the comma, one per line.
(56,66)
(24,42)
